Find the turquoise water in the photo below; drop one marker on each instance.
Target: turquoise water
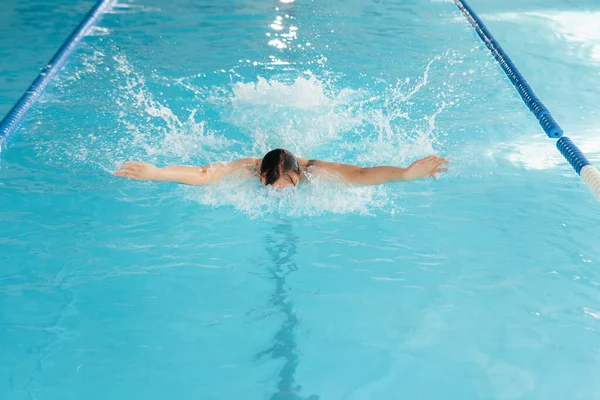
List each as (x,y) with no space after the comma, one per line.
(482,285)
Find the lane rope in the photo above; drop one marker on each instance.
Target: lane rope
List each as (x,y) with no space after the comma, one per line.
(589,174)
(15,116)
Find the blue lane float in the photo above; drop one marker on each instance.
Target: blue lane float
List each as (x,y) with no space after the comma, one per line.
(572,154)
(535,105)
(575,157)
(15,116)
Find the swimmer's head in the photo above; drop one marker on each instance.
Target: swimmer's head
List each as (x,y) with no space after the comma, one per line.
(280,169)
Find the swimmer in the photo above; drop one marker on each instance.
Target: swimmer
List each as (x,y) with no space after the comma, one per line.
(280,168)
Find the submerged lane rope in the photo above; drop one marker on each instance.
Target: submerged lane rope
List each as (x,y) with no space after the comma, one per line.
(13,119)
(581,165)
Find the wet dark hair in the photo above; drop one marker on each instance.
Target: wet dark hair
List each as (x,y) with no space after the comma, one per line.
(277,162)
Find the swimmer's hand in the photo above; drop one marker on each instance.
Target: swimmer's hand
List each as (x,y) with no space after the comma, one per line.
(426,167)
(139,171)
(187,175)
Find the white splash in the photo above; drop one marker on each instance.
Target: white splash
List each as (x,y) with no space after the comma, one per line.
(162,132)
(311,115)
(303,93)
(300,114)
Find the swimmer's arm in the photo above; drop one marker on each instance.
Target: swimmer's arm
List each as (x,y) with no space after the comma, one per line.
(187,175)
(424,168)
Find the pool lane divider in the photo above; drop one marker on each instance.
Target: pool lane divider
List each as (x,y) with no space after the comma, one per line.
(589,174)
(15,116)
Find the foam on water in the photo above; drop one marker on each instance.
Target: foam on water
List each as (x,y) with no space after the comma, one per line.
(314,198)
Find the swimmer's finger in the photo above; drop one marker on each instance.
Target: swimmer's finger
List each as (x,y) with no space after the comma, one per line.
(124,173)
(134,166)
(127,167)
(435,175)
(441,169)
(127,174)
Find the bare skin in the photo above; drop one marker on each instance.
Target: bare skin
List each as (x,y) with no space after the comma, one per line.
(424,168)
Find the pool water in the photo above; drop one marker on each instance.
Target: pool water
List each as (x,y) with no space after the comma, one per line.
(481,285)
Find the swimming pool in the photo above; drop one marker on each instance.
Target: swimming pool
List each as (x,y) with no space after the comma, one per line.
(482,285)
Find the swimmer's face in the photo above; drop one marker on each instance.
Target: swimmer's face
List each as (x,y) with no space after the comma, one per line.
(280,169)
(287,179)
